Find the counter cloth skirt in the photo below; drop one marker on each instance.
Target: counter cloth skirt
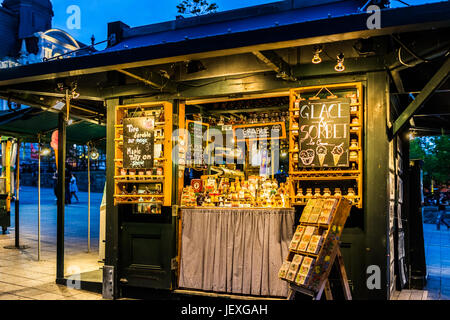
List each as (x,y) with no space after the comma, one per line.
(236,251)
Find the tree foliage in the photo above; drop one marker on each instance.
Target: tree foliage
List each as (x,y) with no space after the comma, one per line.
(435,153)
(196,7)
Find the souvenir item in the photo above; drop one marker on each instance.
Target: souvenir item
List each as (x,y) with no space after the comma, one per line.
(314,244)
(284,270)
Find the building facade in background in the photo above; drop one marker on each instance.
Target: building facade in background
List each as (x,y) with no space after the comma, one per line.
(27,36)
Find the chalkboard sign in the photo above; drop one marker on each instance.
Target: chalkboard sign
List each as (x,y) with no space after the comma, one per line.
(324,133)
(198,141)
(262,131)
(138,142)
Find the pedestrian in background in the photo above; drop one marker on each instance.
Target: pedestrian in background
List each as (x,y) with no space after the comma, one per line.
(73,188)
(441,202)
(55,184)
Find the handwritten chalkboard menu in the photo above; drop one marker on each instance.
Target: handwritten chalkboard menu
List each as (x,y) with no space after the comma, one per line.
(324,133)
(138,142)
(262,131)
(198,141)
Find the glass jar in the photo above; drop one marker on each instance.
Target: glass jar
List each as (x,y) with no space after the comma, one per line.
(351,192)
(317,192)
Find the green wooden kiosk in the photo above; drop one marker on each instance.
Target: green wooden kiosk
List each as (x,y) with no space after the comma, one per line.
(222,63)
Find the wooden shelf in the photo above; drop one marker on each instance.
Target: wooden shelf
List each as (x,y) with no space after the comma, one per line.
(164,109)
(139,202)
(140,181)
(139,196)
(138,176)
(314,255)
(348,173)
(335,173)
(282,108)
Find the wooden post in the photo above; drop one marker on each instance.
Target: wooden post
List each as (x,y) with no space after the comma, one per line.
(61,197)
(89,198)
(16,206)
(39,198)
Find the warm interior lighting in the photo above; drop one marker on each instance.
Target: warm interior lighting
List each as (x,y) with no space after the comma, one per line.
(59,105)
(94,154)
(340,63)
(45,152)
(316,58)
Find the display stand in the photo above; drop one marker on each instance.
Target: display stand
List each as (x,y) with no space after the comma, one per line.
(143,163)
(314,249)
(326,145)
(339,261)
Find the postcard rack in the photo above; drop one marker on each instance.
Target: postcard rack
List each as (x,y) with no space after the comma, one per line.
(327,179)
(145,184)
(315,248)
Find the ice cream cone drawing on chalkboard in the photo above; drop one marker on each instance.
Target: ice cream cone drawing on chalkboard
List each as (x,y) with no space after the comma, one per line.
(307,156)
(321,151)
(337,153)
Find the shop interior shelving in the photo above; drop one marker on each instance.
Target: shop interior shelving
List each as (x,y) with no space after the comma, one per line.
(160,184)
(323,177)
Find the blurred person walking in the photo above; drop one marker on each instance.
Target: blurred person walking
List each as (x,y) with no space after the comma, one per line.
(73,188)
(441,203)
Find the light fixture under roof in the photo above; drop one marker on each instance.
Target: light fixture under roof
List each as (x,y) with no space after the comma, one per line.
(340,63)
(94,154)
(59,105)
(317,51)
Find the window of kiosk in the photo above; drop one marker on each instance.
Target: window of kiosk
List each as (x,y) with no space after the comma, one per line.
(238,154)
(140,161)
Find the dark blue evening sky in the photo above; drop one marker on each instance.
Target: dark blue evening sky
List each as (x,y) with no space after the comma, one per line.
(95,14)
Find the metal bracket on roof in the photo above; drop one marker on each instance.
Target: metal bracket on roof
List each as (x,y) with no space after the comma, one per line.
(275,62)
(435,82)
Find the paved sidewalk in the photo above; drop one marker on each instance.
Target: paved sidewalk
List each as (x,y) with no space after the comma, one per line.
(437,253)
(22,277)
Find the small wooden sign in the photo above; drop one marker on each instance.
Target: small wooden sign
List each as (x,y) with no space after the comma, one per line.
(138,142)
(261,131)
(197,141)
(324,133)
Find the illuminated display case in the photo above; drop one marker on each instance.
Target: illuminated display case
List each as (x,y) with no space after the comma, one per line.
(326,145)
(143,164)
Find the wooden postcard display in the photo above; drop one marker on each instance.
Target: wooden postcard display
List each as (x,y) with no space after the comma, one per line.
(143,156)
(315,248)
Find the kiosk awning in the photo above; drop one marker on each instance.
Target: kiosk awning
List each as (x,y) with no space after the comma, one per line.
(29,122)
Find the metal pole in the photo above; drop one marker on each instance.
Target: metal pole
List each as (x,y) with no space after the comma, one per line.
(39,200)
(61,197)
(16,206)
(89,199)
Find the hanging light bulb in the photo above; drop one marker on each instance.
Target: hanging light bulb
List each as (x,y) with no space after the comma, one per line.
(45,151)
(340,63)
(94,154)
(317,51)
